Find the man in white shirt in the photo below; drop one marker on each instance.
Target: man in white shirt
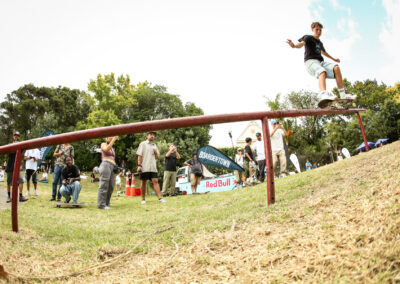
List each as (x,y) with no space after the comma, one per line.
(31,157)
(260,155)
(278,150)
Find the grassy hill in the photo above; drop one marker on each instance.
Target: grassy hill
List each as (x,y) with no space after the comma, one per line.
(337,223)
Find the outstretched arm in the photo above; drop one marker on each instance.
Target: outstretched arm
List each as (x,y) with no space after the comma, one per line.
(299,45)
(329,56)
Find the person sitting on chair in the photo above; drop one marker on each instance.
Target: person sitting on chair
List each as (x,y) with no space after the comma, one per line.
(71,185)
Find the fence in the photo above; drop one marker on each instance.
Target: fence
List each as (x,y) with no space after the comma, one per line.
(161,125)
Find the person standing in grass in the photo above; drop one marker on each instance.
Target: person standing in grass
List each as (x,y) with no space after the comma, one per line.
(170,171)
(118,181)
(248,158)
(196,172)
(260,155)
(107,175)
(60,153)
(10,172)
(31,157)
(278,148)
(147,165)
(239,161)
(308,165)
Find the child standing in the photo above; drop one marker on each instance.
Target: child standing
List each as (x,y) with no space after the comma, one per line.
(316,66)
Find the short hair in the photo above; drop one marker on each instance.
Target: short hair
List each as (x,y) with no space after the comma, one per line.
(248,139)
(316,24)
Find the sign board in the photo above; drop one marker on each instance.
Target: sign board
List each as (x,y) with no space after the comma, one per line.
(218,184)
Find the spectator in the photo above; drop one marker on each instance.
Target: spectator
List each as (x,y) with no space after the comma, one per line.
(60,153)
(340,157)
(260,155)
(48,169)
(1,174)
(31,157)
(308,165)
(92,176)
(196,172)
(107,175)
(239,161)
(71,185)
(118,181)
(170,171)
(248,158)
(277,147)
(123,167)
(147,166)
(129,173)
(10,171)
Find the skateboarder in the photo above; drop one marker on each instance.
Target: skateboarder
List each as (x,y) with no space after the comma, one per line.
(316,66)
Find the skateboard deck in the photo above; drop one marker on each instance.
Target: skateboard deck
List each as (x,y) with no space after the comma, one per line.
(336,104)
(70,205)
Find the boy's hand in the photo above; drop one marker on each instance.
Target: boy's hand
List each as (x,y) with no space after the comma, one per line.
(336,60)
(290,42)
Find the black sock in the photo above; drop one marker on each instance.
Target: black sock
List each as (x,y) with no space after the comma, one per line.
(9,194)
(20,195)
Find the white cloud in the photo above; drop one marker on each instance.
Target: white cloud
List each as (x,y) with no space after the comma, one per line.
(390,39)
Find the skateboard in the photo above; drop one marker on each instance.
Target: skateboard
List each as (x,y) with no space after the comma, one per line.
(70,205)
(336,104)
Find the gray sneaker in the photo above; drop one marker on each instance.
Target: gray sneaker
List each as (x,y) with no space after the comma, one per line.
(161,200)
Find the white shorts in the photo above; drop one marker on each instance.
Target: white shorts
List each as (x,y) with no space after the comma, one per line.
(118,180)
(316,67)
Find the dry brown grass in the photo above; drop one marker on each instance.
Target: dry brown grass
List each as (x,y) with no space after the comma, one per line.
(346,229)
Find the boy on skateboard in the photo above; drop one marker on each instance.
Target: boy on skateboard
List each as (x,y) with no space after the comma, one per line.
(316,66)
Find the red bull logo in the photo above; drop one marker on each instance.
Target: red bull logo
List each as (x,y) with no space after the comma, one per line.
(218,183)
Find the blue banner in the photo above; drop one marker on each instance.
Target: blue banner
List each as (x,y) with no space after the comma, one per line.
(44,150)
(209,155)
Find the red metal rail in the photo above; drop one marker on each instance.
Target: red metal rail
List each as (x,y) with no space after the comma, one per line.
(167,124)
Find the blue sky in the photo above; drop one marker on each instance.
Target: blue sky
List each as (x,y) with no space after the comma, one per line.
(368,17)
(223,55)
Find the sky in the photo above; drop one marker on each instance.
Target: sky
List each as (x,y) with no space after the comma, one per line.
(226,56)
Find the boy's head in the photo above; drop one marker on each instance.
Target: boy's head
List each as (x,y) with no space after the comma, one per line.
(316,27)
(248,140)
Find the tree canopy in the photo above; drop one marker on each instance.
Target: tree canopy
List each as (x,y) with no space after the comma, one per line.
(320,138)
(109,100)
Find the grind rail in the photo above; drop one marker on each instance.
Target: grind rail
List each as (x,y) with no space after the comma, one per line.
(171,123)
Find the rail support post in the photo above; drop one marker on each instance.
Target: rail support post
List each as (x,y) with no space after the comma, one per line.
(269,164)
(363,132)
(15,187)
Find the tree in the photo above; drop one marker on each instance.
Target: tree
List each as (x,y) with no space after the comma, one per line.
(118,101)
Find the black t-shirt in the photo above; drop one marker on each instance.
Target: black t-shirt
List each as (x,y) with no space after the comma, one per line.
(72,172)
(313,48)
(10,162)
(196,166)
(170,162)
(247,149)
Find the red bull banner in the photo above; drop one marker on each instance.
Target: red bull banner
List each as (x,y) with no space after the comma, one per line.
(219,184)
